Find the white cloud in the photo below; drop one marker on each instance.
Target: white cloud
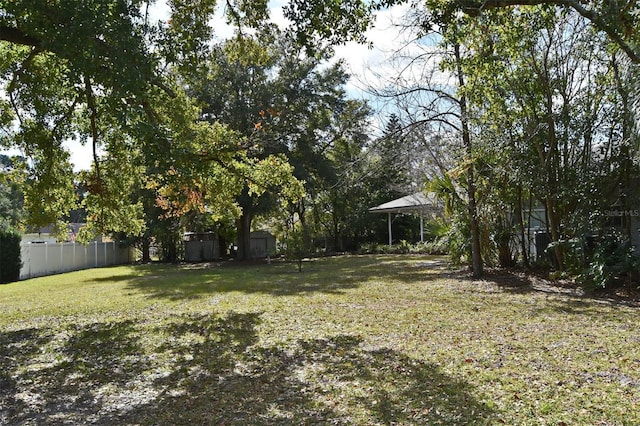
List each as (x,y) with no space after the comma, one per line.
(81,156)
(367,64)
(157,11)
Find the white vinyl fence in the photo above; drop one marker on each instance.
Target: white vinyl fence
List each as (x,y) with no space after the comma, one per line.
(40,259)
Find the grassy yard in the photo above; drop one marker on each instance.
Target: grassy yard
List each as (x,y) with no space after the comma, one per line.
(350,340)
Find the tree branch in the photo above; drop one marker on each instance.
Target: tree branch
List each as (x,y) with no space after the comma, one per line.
(17,36)
(16,76)
(473,7)
(93,117)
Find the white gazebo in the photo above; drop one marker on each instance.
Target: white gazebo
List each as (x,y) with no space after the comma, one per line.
(418,203)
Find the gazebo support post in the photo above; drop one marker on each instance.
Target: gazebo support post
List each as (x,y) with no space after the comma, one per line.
(390,235)
(421,227)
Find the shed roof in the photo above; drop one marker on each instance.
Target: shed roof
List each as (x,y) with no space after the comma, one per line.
(410,203)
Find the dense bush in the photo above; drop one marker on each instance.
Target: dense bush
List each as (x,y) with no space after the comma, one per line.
(10,262)
(438,246)
(613,260)
(602,261)
(296,246)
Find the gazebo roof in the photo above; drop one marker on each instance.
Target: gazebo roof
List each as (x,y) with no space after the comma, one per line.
(410,203)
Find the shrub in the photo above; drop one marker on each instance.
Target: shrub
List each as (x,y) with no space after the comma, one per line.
(10,261)
(599,262)
(613,259)
(438,246)
(297,245)
(371,248)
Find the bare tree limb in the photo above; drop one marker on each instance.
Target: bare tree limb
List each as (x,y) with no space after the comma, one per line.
(474,7)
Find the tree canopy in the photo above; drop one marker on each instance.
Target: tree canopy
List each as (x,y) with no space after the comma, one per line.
(334,21)
(540,97)
(102,72)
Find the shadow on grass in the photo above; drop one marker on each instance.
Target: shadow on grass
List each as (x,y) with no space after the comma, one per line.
(16,348)
(115,279)
(324,275)
(278,279)
(412,268)
(206,369)
(560,297)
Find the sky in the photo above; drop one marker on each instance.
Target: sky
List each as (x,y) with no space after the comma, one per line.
(359,60)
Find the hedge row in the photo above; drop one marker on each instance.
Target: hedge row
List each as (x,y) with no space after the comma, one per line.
(10,262)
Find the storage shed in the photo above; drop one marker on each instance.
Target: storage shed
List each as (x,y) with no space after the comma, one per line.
(262,244)
(201,247)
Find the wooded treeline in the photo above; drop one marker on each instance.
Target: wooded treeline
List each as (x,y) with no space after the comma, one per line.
(520,115)
(542,109)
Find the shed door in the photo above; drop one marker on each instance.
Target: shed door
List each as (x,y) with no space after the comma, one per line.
(258,247)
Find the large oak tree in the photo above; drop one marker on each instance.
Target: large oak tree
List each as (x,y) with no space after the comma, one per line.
(103,72)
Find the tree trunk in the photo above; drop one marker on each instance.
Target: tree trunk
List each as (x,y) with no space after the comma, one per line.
(222,244)
(244,236)
(472,209)
(627,132)
(306,235)
(523,238)
(554,228)
(552,168)
(146,250)
(337,244)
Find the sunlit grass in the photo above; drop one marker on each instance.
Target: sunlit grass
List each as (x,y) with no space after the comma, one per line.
(350,340)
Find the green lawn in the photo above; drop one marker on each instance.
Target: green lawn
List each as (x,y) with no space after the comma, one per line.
(350,340)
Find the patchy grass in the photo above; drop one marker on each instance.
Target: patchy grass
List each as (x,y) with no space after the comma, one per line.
(350,340)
